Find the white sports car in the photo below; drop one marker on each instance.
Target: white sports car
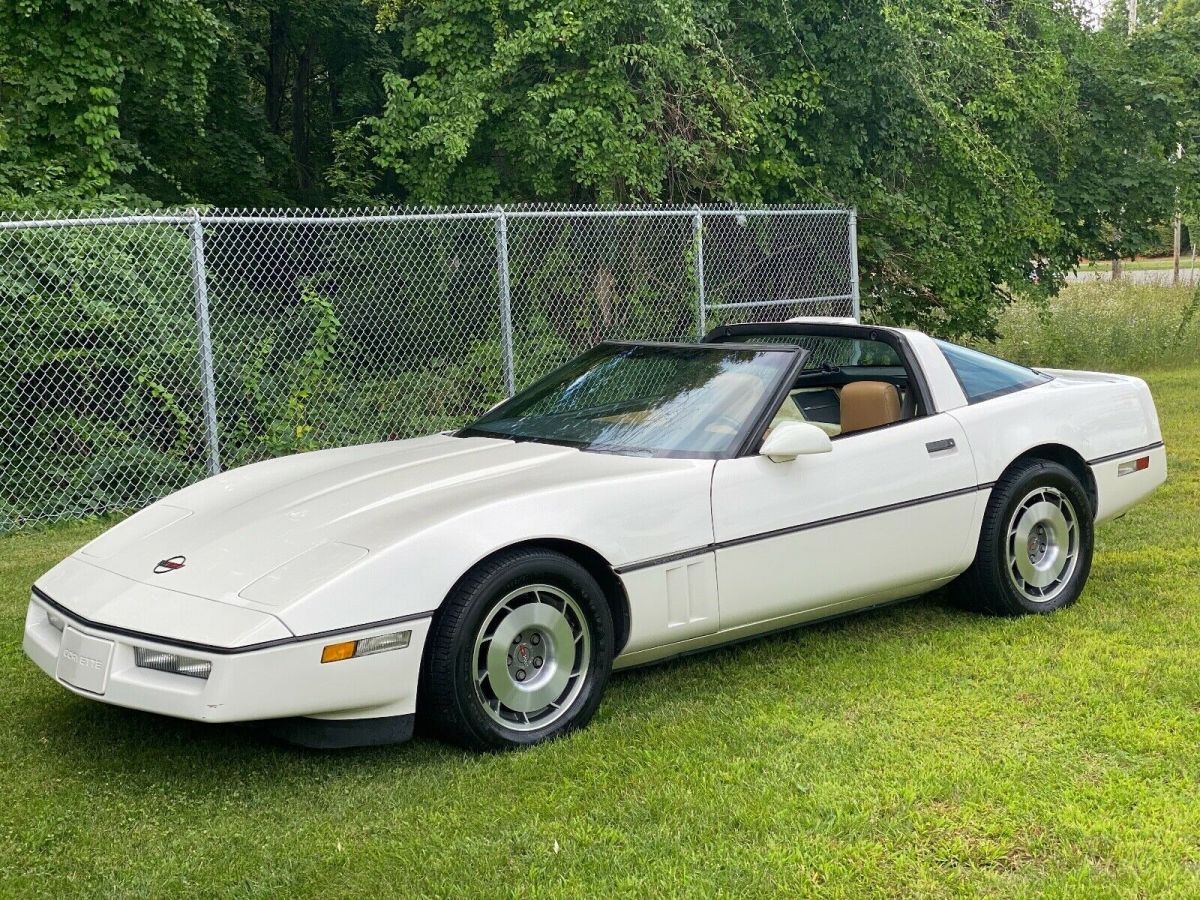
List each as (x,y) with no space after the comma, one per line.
(643,501)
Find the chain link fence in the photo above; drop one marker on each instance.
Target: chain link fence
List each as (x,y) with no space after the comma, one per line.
(142,351)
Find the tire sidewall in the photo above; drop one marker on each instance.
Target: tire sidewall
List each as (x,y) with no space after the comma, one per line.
(560,572)
(1042,474)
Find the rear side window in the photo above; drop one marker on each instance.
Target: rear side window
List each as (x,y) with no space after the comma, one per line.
(983,377)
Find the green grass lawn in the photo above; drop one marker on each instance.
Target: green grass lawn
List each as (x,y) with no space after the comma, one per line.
(917,751)
(1158,262)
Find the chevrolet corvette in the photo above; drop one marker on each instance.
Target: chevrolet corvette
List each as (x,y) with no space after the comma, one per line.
(643,501)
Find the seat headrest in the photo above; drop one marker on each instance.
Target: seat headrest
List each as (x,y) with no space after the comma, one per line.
(869,404)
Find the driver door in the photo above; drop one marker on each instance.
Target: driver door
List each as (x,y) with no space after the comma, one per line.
(886,514)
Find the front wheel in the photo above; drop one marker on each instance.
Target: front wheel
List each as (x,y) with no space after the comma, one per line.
(520,652)
(1035,546)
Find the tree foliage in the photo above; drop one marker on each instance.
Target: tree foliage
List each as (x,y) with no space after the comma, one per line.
(1170,48)
(595,101)
(973,137)
(67,67)
(984,142)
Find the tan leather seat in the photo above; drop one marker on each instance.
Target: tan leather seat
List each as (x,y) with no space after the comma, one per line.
(869,404)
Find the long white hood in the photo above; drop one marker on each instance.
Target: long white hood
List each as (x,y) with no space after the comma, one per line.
(237,527)
(343,537)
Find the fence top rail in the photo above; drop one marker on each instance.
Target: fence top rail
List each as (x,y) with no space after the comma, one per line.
(786,301)
(69,219)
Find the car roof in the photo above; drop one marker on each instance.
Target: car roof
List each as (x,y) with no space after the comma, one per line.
(832,326)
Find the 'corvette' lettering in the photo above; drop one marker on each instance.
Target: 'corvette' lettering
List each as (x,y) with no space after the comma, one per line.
(86,661)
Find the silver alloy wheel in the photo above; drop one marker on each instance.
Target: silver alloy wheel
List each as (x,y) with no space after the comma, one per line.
(1042,545)
(531,657)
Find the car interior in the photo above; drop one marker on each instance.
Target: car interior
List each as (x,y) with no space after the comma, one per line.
(848,383)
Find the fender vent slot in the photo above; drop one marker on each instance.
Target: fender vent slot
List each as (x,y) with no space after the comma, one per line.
(689,594)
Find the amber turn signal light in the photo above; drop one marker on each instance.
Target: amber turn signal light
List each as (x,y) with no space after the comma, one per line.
(336,652)
(368,646)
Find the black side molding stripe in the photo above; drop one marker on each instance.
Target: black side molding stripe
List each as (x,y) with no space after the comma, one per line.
(846,517)
(1123,453)
(663,560)
(793,529)
(212,648)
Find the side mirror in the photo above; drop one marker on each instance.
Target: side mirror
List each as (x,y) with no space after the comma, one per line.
(791,439)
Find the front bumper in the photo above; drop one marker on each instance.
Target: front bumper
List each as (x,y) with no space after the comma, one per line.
(274,682)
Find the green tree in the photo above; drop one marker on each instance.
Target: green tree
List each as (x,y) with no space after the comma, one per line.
(65,68)
(594,101)
(940,118)
(982,142)
(950,124)
(1170,48)
(292,77)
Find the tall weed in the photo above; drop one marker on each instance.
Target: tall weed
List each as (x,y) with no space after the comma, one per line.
(1118,326)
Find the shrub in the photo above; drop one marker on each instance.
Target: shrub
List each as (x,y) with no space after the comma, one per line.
(1120,326)
(98,389)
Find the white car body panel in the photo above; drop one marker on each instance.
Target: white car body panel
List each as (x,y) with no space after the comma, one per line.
(946,393)
(286,556)
(101,595)
(672,602)
(1097,416)
(815,506)
(423,507)
(276,681)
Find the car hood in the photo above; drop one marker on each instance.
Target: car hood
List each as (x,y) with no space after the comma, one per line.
(216,538)
(266,534)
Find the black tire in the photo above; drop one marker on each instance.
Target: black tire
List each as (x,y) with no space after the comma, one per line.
(995,582)
(460,709)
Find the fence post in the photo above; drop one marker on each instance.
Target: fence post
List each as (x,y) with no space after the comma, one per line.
(855,302)
(698,243)
(506,334)
(204,336)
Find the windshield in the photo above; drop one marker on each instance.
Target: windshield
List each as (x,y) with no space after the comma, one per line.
(653,399)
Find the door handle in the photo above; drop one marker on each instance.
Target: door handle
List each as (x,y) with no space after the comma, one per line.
(939,446)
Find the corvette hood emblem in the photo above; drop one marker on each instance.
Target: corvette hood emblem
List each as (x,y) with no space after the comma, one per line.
(170,565)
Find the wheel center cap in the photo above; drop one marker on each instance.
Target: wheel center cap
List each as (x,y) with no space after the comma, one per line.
(522,653)
(1038,544)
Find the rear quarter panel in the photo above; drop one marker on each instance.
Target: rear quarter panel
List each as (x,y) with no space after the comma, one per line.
(1103,418)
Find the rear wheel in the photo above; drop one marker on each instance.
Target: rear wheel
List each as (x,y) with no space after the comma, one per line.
(520,652)
(1035,546)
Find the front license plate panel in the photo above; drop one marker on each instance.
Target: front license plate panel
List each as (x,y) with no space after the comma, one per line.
(83,661)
